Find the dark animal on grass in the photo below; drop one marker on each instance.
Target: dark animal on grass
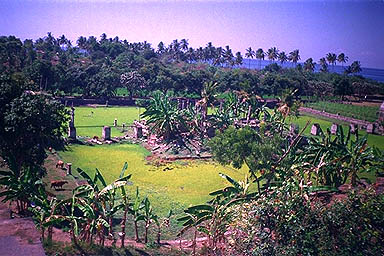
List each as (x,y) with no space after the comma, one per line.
(60,164)
(58,184)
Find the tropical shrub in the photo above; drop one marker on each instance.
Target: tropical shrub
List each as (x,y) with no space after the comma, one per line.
(287,222)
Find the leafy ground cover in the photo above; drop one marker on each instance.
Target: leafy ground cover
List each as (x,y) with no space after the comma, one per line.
(368,113)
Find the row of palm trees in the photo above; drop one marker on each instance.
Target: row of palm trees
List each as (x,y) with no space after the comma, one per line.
(218,56)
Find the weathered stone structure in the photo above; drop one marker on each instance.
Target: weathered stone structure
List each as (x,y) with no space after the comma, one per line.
(381,114)
(71,126)
(334,128)
(106,133)
(315,129)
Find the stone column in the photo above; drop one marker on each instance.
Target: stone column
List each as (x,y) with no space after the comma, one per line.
(138,132)
(71,127)
(334,128)
(106,133)
(69,168)
(353,128)
(315,129)
(370,128)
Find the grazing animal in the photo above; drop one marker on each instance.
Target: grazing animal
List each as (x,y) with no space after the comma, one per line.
(60,164)
(58,184)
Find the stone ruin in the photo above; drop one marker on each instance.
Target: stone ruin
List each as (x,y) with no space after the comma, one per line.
(71,126)
(381,114)
(315,129)
(334,128)
(106,133)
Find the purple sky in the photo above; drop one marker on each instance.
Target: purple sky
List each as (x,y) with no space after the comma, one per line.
(315,28)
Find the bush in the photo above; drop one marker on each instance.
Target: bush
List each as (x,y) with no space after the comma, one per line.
(290,224)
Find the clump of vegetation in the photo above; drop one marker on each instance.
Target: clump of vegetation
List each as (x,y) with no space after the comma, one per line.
(287,222)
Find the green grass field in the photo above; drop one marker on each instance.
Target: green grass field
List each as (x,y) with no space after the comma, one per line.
(175,185)
(89,121)
(367,113)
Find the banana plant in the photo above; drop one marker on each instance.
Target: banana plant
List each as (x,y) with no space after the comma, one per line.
(136,211)
(92,200)
(160,223)
(124,205)
(47,213)
(194,219)
(213,218)
(148,216)
(20,188)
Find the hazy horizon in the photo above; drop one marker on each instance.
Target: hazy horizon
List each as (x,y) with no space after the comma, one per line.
(315,28)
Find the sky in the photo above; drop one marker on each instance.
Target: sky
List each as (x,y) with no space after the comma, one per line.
(316,28)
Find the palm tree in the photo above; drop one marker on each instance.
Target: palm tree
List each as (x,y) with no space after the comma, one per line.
(82,42)
(282,57)
(184,44)
(323,65)
(210,51)
(356,67)
(342,59)
(309,65)
(160,48)
(294,56)
(239,59)
(228,56)
(331,58)
(218,58)
(249,54)
(190,54)
(260,56)
(272,53)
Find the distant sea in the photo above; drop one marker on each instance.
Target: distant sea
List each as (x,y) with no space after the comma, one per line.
(372,73)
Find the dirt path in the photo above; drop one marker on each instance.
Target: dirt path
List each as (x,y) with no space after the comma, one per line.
(18,236)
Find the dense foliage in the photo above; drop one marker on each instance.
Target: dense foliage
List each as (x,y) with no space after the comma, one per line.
(99,67)
(291,223)
(29,124)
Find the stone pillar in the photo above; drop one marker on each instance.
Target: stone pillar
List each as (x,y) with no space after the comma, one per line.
(353,128)
(71,126)
(334,128)
(115,122)
(370,128)
(138,132)
(72,132)
(315,129)
(381,114)
(106,133)
(69,168)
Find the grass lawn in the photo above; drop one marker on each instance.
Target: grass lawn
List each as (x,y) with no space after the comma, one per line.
(368,113)
(172,186)
(89,121)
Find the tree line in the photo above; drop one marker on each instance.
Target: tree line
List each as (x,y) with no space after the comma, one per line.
(99,67)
